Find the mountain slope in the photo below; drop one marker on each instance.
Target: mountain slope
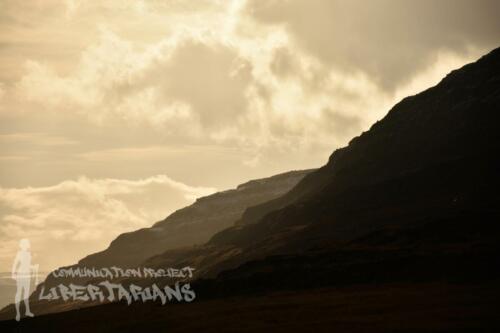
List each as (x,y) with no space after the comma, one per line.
(412,201)
(433,159)
(194,224)
(191,225)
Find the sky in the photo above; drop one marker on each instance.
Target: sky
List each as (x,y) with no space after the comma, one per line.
(113,114)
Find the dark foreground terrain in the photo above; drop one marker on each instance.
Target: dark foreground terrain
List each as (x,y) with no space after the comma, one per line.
(426,307)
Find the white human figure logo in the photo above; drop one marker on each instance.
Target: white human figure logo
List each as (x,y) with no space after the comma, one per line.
(21,272)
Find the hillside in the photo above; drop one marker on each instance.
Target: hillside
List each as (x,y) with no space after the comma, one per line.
(423,179)
(411,204)
(194,224)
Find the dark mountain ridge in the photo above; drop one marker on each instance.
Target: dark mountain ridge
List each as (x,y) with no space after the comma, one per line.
(412,202)
(194,224)
(434,157)
(191,225)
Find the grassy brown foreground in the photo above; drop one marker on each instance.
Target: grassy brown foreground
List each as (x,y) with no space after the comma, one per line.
(432,307)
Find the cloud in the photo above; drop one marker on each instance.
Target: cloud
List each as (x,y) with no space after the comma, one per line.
(42,139)
(282,82)
(152,152)
(76,217)
(212,78)
(240,89)
(199,88)
(389,40)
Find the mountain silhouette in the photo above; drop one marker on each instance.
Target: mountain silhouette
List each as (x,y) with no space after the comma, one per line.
(424,178)
(191,225)
(194,224)
(411,204)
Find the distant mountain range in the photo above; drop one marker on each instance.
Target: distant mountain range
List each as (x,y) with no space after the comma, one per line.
(194,224)
(189,226)
(413,200)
